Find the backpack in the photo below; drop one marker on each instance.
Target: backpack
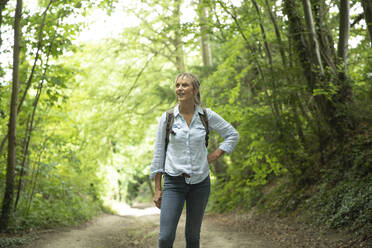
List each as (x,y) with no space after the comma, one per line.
(169,123)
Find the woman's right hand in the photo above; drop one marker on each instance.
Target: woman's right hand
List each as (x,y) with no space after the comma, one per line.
(157,198)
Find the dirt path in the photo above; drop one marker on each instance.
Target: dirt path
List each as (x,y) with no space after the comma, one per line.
(139,227)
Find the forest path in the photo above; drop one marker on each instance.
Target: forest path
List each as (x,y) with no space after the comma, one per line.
(138,228)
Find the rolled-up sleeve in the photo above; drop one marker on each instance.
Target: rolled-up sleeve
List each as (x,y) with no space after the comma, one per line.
(225,129)
(157,164)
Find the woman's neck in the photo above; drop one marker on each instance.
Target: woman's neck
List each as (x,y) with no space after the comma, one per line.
(187,107)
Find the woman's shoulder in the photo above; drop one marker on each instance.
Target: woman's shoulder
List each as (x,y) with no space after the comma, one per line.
(167,114)
(209,112)
(212,115)
(163,117)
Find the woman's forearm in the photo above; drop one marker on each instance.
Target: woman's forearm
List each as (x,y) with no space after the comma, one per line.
(219,152)
(158,193)
(158,181)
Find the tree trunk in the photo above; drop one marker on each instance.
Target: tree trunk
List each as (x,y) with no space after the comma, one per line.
(367,7)
(344,30)
(326,44)
(30,122)
(343,121)
(296,31)
(9,187)
(344,95)
(270,61)
(204,37)
(277,33)
(34,177)
(263,32)
(29,80)
(180,63)
(314,46)
(24,158)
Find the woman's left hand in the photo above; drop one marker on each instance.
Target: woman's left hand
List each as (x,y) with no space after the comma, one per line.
(215,155)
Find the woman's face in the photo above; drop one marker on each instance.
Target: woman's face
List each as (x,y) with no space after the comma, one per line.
(184,89)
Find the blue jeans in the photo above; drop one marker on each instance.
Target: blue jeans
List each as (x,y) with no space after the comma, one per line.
(176,191)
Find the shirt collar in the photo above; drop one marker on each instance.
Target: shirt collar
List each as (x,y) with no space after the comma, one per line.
(176,111)
(199,109)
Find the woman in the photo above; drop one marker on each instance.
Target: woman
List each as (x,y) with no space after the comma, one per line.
(184,162)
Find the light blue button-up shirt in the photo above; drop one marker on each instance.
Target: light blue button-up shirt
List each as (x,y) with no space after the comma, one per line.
(186,152)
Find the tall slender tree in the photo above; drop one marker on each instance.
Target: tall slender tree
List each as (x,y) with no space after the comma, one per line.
(204,37)
(9,187)
(367,6)
(314,44)
(177,41)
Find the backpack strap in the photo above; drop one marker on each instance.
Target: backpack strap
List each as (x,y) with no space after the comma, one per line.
(204,120)
(169,123)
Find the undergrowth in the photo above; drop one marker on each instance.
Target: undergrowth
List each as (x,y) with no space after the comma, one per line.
(45,213)
(13,242)
(336,197)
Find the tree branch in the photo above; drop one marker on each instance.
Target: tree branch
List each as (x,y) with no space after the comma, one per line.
(39,45)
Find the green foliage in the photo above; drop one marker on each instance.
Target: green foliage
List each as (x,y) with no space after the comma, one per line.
(47,213)
(285,143)
(346,204)
(58,184)
(13,242)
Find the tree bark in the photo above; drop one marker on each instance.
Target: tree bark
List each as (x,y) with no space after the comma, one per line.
(344,30)
(296,31)
(367,7)
(314,45)
(277,33)
(344,95)
(9,187)
(326,44)
(26,142)
(204,37)
(180,62)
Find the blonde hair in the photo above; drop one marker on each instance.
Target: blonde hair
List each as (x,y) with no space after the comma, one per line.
(195,84)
